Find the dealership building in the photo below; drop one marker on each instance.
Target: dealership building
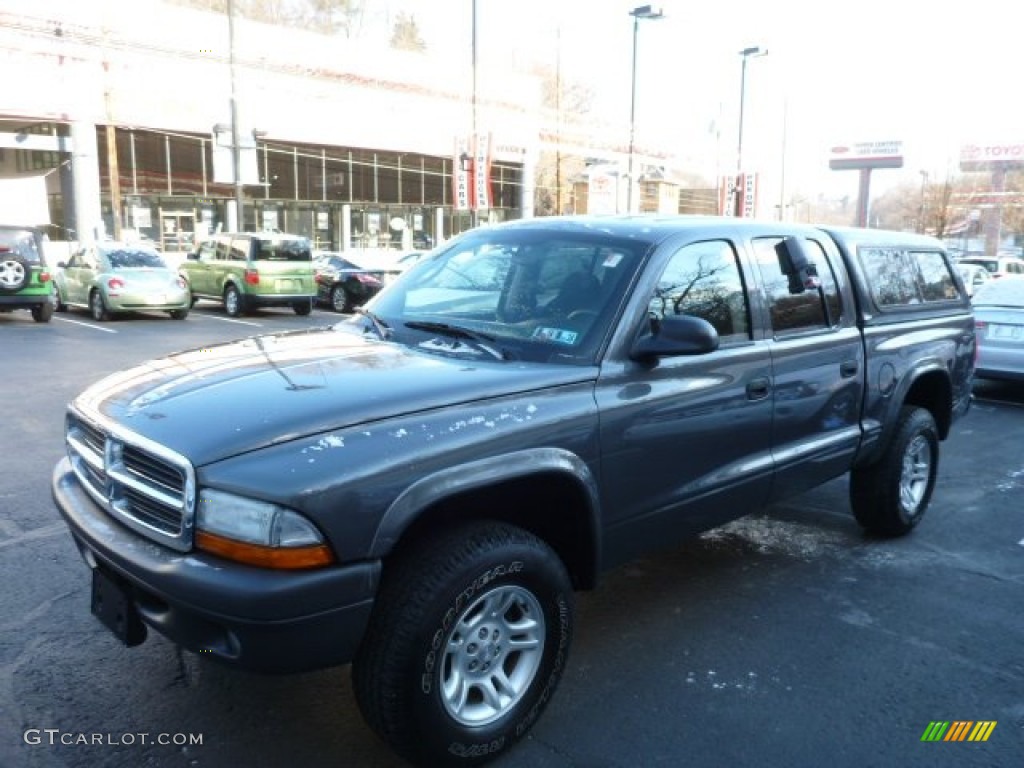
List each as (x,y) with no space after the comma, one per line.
(128,117)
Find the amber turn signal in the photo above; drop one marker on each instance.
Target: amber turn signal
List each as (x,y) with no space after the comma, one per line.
(281,558)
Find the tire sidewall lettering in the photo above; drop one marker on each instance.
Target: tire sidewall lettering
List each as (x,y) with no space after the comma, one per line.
(455,610)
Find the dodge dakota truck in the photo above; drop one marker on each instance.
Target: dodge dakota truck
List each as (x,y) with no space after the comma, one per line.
(420,489)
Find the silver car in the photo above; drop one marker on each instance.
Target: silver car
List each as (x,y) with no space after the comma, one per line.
(999,319)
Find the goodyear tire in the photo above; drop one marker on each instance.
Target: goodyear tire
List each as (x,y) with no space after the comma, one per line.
(467,643)
(890,496)
(14,273)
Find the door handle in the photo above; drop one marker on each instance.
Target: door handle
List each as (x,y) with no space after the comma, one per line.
(848,368)
(757,389)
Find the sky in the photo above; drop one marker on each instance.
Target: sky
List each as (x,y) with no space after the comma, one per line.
(934,75)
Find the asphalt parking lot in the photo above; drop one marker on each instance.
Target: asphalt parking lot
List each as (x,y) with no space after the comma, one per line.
(785,639)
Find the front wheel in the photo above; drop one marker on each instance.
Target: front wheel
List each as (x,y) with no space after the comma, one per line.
(302,308)
(468,640)
(178,314)
(890,496)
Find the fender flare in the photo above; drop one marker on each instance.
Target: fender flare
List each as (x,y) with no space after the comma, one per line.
(450,481)
(896,400)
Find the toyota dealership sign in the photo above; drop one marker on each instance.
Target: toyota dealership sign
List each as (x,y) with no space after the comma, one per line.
(984,157)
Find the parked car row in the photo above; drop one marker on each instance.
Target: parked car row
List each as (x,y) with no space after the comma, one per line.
(242,271)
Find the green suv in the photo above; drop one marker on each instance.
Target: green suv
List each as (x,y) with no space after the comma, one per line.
(250,270)
(25,280)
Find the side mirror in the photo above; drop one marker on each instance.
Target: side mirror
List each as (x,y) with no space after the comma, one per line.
(675,335)
(797,263)
(194,256)
(61,264)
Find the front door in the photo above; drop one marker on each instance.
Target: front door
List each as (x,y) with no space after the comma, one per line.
(686,443)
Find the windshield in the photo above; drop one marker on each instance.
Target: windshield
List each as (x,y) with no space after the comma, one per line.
(539,296)
(132,258)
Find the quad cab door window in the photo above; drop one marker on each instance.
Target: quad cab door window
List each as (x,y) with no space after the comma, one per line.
(817,364)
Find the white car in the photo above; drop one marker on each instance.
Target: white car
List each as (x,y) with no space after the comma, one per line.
(997,266)
(974,276)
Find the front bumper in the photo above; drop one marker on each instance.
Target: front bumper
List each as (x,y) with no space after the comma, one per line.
(255,618)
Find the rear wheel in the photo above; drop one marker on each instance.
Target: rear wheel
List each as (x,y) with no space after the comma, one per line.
(890,496)
(232,301)
(467,642)
(97,307)
(340,301)
(42,313)
(178,314)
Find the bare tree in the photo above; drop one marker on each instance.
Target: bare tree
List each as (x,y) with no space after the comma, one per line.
(406,34)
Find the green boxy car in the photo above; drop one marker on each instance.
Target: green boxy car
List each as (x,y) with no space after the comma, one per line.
(250,270)
(25,279)
(108,277)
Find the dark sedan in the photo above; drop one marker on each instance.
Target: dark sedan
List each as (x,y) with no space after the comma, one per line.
(343,285)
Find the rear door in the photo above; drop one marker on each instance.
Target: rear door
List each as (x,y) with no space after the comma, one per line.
(817,357)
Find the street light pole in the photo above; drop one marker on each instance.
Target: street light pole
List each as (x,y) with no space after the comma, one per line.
(920,207)
(640,12)
(236,151)
(474,215)
(746,53)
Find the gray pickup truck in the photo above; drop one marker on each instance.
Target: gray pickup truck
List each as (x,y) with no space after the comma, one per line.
(420,489)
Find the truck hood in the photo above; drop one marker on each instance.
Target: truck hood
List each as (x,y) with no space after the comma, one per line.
(215,402)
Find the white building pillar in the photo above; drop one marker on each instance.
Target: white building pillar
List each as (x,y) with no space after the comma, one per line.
(85,171)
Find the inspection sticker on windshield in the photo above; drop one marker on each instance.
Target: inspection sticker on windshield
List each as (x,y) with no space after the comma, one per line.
(557,335)
(611,260)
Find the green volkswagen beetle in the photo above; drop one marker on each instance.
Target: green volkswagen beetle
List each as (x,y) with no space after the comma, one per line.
(108,277)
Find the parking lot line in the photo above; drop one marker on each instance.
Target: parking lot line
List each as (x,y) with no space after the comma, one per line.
(85,325)
(229,320)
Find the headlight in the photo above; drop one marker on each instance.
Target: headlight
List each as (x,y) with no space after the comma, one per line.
(257,532)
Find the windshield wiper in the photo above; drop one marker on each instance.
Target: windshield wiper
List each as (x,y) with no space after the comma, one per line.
(382,328)
(483,340)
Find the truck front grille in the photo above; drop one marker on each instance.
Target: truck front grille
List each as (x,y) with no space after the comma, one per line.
(146,486)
